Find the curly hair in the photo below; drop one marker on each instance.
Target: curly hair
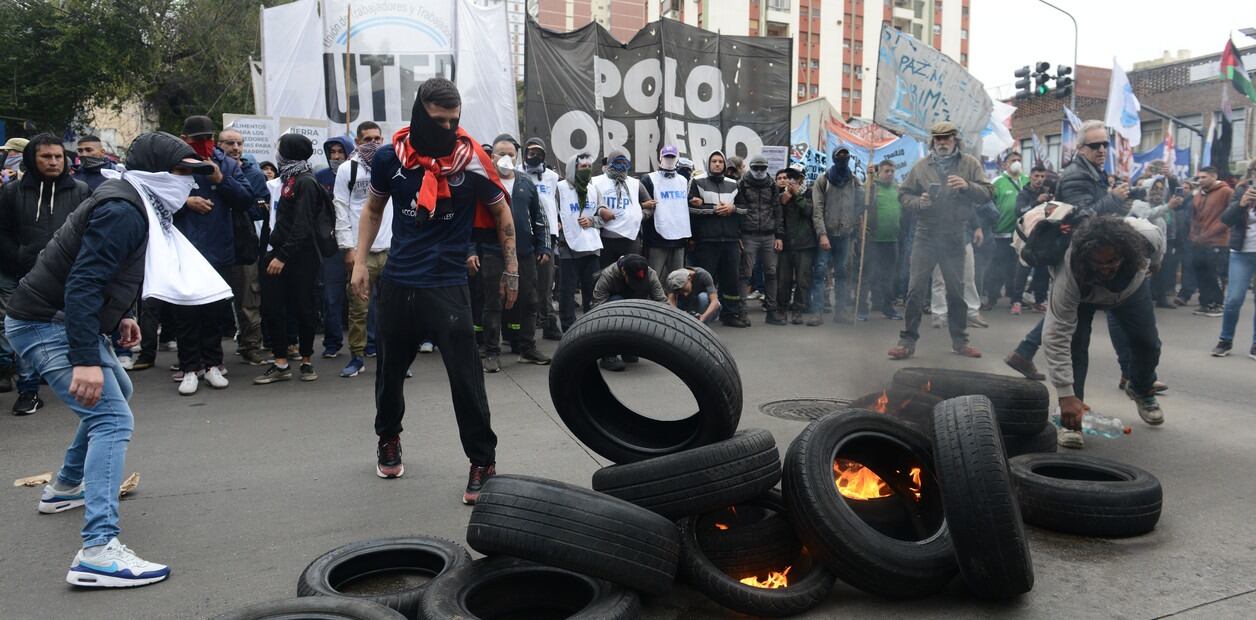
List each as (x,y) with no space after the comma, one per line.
(1108,231)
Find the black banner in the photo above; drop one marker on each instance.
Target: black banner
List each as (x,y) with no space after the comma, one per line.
(671,84)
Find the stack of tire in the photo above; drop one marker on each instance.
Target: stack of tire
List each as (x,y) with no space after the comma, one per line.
(1020,405)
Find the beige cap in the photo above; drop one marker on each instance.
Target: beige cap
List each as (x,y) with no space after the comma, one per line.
(943,128)
(15,144)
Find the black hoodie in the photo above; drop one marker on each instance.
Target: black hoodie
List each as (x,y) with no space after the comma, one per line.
(31,210)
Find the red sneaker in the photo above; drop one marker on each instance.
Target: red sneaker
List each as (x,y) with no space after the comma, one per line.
(388,457)
(967,351)
(901,352)
(475,481)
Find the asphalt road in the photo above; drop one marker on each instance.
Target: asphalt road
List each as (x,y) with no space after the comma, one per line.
(242,487)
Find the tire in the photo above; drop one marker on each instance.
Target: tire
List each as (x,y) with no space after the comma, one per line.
(323,608)
(330,572)
(565,526)
(698,480)
(1020,404)
(981,508)
(909,405)
(1044,441)
(848,545)
(1098,497)
(760,539)
(705,577)
(661,334)
(504,587)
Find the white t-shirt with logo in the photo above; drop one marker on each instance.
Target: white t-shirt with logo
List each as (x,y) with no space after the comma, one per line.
(622,201)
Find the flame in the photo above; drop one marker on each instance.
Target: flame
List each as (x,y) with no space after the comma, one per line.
(773,580)
(858,482)
(882,402)
(929,385)
(721,526)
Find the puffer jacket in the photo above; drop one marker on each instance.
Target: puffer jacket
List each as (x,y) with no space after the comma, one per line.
(761,200)
(31,210)
(1086,187)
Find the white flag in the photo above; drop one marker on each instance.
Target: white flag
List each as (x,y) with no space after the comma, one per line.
(1123,107)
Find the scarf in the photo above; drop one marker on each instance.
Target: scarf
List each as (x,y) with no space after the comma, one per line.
(945,163)
(466,155)
(536,170)
(366,154)
(838,175)
(581,183)
(174,270)
(289,169)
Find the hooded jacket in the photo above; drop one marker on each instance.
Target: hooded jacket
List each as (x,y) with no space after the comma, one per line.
(761,200)
(1207,229)
(705,224)
(213,233)
(837,209)
(327,176)
(531,231)
(31,210)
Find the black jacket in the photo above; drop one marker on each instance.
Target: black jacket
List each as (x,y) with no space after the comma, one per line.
(1235,216)
(295,218)
(31,210)
(705,224)
(1086,187)
(531,232)
(762,203)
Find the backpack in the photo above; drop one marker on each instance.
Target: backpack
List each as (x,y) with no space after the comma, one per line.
(324,224)
(1040,239)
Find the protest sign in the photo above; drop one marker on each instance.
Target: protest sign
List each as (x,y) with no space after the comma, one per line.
(260,133)
(1180,167)
(777,156)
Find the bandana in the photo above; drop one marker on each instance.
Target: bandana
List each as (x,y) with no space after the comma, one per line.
(289,169)
(465,155)
(204,147)
(618,169)
(366,154)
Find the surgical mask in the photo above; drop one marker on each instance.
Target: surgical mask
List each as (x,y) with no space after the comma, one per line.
(1015,167)
(506,165)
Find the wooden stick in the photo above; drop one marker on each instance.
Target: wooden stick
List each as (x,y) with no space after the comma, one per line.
(863,227)
(348,39)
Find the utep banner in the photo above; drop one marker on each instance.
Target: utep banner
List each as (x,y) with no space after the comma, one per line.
(671,84)
(918,86)
(1181,167)
(393,46)
(904,152)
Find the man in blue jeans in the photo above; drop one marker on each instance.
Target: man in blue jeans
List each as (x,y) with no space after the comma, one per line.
(83,286)
(1240,216)
(838,202)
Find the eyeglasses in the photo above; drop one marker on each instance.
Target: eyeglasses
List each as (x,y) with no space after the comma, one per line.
(231,142)
(1094,146)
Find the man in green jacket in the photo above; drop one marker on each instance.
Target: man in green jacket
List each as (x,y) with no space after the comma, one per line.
(884,217)
(1001,271)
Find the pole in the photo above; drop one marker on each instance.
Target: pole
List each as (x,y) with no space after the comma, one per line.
(348,38)
(863,226)
(1072,99)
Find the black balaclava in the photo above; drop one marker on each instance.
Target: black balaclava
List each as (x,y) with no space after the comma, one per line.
(426,136)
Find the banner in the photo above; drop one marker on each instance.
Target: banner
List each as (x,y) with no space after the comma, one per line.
(671,84)
(904,152)
(997,136)
(260,133)
(388,49)
(1123,107)
(1180,167)
(1069,129)
(814,163)
(918,86)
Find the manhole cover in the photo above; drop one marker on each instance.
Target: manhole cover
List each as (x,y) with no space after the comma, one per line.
(804,408)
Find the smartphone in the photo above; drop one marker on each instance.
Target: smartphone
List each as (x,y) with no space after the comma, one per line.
(1179,192)
(934,189)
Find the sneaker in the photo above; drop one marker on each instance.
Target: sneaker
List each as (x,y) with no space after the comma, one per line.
(1179,302)
(189,383)
(475,482)
(354,367)
(1039,308)
(892,315)
(1016,308)
(735,321)
(176,369)
(613,364)
(427,347)
(113,566)
(861,316)
(754,296)
(938,321)
(388,458)
(902,352)
(222,369)
(27,403)
(774,319)
(976,320)
(814,320)
(967,350)
(143,364)
(491,364)
(274,373)
(214,378)
(552,333)
(1024,366)
(1252,353)
(168,346)
(1222,349)
(986,306)
(126,362)
(1148,407)
(370,351)
(1157,387)
(1216,311)
(331,354)
(532,356)
(253,358)
(1069,438)
(53,501)
(307,373)
(795,318)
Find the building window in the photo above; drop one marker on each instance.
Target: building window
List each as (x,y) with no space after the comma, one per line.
(964,12)
(754,25)
(779,5)
(937,29)
(845,92)
(815,12)
(845,67)
(815,90)
(858,95)
(858,47)
(937,6)
(845,44)
(963,59)
(963,34)
(815,63)
(802,12)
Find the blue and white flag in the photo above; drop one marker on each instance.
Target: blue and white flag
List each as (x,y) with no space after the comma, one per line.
(1123,107)
(1069,129)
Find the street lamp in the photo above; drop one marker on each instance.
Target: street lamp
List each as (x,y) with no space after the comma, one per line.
(1072,102)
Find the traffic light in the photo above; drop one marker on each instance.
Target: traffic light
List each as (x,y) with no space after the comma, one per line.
(1022,83)
(1043,67)
(1063,83)
(1040,82)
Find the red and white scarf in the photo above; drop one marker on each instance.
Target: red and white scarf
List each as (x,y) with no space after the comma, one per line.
(467,156)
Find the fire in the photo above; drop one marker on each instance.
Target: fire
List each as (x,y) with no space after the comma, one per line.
(929,385)
(774,580)
(882,402)
(858,482)
(721,526)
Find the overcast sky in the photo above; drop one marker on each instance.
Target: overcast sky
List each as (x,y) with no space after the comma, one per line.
(1008,34)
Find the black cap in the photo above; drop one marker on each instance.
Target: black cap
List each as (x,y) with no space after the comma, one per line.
(505,137)
(198,126)
(295,147)
(536,142)
(159,151)
(637,272)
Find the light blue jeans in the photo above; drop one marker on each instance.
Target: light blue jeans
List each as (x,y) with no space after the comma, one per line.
(1242,266)
(97,455)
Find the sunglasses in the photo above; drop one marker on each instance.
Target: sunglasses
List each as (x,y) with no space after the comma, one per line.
(1094,146)
(231,142)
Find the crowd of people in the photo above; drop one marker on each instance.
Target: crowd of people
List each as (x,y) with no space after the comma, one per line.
(430,240)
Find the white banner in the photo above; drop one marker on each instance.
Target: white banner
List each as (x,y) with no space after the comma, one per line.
(260,133)
(387,48)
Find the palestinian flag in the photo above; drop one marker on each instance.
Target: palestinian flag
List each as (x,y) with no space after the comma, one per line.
(1232,69)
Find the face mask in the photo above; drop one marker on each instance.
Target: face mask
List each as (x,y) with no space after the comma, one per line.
(335,164)
(843,162)
(91,162)
(584,175)
(759,174)
(171,190)
(427,137)
(533,162)
(506,166)
(1015,168)
(667,164)
(204,148)
(13,161)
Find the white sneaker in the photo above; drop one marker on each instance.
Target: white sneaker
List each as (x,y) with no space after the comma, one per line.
(939,321)
(127,362)
(113,566)
(215,379)
(427,347)
(189,383)
(53,501)
(1071,439)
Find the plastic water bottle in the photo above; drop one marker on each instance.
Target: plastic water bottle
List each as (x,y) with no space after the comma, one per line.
(1096,424)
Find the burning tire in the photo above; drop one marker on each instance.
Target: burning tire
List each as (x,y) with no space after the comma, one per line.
(314,607)
(661,334)
(392,572)
(503,587)
(909,405)
(750,538)
(893,542)
(810,584)
(1020,404)
(1044,441)
(698,480)
(1085,495)
(576,529)
(981,509)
